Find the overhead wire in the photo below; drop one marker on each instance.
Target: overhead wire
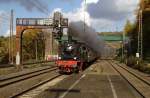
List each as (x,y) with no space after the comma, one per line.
(40,7)
(4,18)
(5,14)
(4,21)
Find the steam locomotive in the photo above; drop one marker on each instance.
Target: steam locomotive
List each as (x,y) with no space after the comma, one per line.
(74,56)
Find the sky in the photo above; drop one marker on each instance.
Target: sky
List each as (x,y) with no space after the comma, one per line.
(102,15)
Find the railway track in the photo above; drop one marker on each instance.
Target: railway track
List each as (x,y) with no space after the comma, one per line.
(138,82)
(19,83)
(25,63)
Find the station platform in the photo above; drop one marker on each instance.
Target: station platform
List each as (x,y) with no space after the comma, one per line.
(100,80)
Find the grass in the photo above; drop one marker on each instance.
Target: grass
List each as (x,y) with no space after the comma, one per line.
(9,70)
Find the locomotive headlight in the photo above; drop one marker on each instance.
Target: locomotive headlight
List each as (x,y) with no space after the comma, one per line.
(70,48)
(75,58)
(59,58)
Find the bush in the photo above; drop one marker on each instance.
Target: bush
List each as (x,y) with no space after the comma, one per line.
(4,59)
(135,63)
(138,64)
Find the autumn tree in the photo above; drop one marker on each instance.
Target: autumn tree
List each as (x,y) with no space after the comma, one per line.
(128,27)
(4,53)
(145,30)
(33,42)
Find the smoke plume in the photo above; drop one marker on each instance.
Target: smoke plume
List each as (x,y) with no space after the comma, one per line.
(88,35)
(29,5)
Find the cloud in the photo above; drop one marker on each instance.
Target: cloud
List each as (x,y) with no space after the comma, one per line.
(8,33)
(78,15)
(29,5)
(127,5)
(75,15)
(101,24)
(103,15)
(4,21)
(4,14)
(113,11)
(67,1)
(56,10)
(91,1)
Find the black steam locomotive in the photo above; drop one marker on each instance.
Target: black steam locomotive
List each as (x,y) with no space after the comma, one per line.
(74,56)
